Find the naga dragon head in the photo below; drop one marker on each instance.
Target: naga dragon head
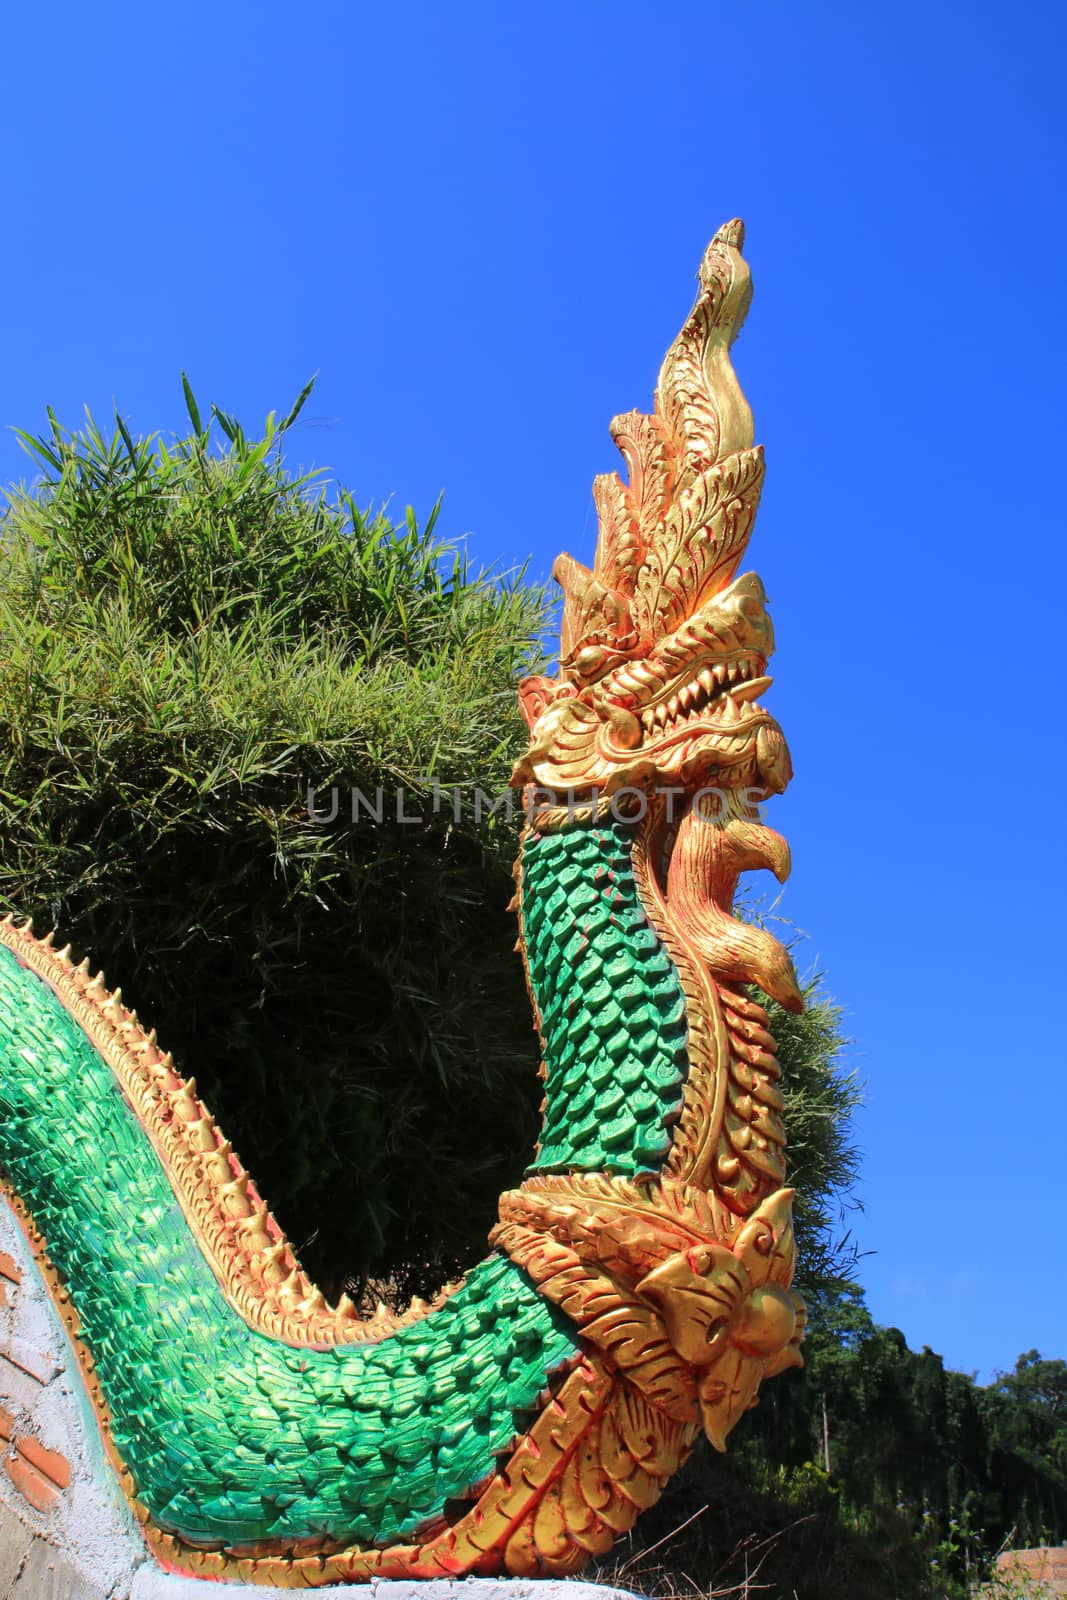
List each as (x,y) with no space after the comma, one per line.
(664,648)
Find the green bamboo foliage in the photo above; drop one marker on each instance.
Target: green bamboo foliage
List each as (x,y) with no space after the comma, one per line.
(191,635)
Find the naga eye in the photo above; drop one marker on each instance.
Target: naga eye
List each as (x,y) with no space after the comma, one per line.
(591,659)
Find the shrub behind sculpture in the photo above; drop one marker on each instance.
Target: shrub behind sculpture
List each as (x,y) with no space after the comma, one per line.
(190,635)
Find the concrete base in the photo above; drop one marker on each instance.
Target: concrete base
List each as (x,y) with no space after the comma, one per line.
(33,1568)
(165,1587)
(65,1530)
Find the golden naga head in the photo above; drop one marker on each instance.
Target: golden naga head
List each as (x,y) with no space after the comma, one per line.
(730,1314)
(664,649)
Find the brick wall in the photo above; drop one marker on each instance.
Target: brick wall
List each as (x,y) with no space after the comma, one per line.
(1045,1569)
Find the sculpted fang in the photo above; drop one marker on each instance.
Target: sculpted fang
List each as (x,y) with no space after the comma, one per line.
(638,1288)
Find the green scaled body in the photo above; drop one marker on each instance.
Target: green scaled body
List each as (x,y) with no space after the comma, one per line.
(233,1437)
(611,1007)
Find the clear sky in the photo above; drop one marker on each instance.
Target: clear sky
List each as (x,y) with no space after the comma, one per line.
(480,224)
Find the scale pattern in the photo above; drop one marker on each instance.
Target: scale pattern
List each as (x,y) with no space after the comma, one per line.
(612,1011)
(232,1436)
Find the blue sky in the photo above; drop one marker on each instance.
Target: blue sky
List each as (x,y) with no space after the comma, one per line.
(480,225)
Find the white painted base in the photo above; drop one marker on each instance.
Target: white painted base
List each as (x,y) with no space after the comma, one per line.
(80,1542)
(84,1544)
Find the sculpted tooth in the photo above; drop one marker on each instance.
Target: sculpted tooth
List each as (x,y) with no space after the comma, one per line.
(730,712)
(672,706)
(706,680)
(202,1135)
(253,1229)
(719,672)
(235,1197)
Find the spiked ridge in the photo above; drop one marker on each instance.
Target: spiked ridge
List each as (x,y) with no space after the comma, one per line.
(248,1252)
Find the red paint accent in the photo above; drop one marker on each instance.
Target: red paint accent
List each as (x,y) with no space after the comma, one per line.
(47,1462)
(41,1494)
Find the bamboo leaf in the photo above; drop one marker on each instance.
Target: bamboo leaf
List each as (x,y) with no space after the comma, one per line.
(191,405)
(37,447)
(126,438)
(298,404)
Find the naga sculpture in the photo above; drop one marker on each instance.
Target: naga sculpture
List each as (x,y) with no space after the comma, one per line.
(638,1288)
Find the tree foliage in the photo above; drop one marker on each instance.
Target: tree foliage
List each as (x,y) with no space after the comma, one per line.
(821,1092)
(873,1471)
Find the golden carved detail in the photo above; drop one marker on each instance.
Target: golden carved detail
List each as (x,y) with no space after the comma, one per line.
(680,1281)
(689,1302)
(663,649)
(730,1129)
